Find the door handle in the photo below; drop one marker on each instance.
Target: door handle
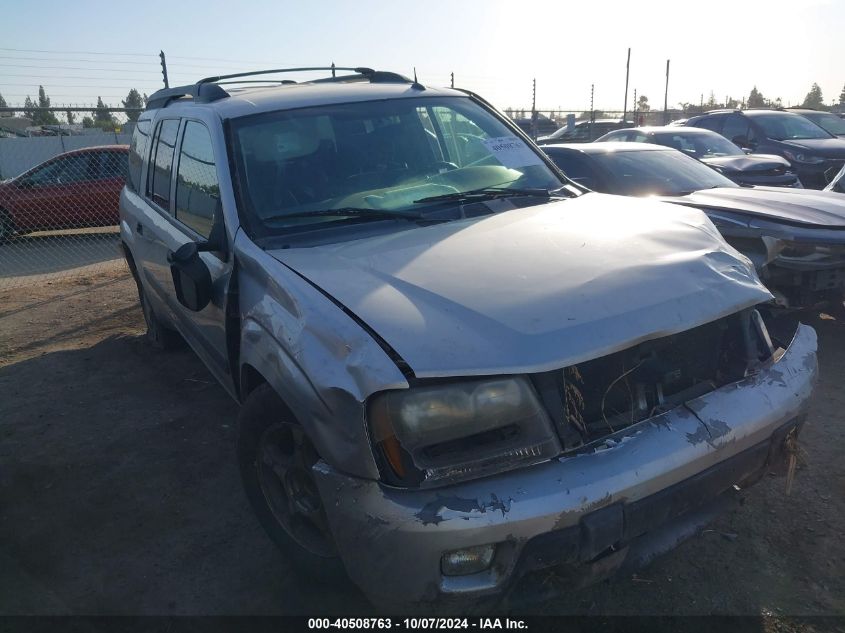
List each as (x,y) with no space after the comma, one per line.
(139,228)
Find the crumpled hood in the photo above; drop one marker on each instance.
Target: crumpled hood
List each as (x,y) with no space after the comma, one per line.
(753,162)
(535,289)
(826,147)
(797,206)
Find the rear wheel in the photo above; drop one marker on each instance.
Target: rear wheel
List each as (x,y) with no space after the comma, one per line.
(275,458)
(158,335)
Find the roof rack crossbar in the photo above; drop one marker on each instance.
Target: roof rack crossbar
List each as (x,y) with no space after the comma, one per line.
(360,71)
(209,89)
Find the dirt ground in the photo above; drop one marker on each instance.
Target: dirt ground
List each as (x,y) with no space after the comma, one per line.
(119,490)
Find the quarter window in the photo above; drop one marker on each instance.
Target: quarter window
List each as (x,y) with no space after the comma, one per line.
(165,142)
(137,152)
(197,189)
(736,129)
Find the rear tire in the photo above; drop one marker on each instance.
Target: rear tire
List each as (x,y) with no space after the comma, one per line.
(275,459)
(159,336)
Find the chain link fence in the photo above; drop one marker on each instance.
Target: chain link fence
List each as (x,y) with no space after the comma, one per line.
(59,200)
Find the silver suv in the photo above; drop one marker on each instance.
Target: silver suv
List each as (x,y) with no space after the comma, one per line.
(455,366)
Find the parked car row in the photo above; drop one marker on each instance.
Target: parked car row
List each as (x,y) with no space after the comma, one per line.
(812,151)
(456,365)
(795,237)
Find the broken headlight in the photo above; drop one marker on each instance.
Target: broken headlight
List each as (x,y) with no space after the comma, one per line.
(444,433)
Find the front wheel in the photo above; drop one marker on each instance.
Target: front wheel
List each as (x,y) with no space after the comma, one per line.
(7,227)
(275,458)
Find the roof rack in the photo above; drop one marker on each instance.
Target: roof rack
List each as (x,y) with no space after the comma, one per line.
(208,89)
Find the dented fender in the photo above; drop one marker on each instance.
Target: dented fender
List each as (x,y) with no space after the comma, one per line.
(319,361)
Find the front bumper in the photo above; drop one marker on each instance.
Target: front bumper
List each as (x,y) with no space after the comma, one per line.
(391,541)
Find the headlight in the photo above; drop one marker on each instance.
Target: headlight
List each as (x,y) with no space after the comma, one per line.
(801,157)
(449,432)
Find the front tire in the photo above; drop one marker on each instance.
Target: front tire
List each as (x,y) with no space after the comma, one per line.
(7,227)
(275,458)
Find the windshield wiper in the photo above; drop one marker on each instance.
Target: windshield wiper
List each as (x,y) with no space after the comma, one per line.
(488,193)
(350,212)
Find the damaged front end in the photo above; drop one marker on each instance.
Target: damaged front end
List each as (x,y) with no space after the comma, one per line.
(649,440)
(439,432)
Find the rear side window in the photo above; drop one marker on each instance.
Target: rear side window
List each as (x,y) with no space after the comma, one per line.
(736,129)
(197,189)
(137,152)
(162,162)
(713,123)
(111,165)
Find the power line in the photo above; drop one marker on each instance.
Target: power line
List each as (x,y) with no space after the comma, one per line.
(111,70)
(33,50)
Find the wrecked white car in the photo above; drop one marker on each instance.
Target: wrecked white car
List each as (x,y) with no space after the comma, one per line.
(456,367)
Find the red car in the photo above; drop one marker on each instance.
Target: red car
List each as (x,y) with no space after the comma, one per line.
(75,189)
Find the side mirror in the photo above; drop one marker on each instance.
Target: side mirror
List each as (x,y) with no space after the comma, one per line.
(191,277)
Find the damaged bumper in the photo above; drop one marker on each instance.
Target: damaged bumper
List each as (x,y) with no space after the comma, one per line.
(578,509)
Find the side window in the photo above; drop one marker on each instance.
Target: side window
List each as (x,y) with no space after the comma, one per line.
(197,189)
(158,187)
(637,137)
(70,169)
(111,165)
(137,152)
(713,123)
(736,127)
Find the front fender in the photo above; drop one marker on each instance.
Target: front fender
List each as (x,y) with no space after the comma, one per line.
(320,362)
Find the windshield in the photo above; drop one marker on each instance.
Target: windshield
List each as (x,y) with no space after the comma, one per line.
(830,122)
(641,173)
(787,126)
(295,166)
(699,145)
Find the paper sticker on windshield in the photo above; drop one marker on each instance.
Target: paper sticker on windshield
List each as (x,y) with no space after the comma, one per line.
(512,151)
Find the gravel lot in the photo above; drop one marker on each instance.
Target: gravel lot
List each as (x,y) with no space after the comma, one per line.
(119,491)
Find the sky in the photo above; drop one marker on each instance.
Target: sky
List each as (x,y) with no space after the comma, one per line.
(84,49)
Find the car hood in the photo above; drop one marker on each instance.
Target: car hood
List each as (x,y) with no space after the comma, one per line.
(757,162)
(825,147)
(534,289)
(796,206)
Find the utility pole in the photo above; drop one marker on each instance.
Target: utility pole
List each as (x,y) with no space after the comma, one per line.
(634,108)
(627,74)
(534,109)
(164,69)
(592,111)
(452,83)
(666,97)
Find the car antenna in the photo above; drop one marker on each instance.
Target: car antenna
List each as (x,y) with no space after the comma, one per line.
(416,85)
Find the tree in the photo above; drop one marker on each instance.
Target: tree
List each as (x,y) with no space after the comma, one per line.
(71,118)
(29,108)
(44,117)
(133,100)
(842,96)
(4,105)
(103,119)
(642,104)
(814,98)
(87,122)
(711,102)
(755,99)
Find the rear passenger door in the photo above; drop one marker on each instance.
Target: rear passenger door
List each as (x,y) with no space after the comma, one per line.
(183,187)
